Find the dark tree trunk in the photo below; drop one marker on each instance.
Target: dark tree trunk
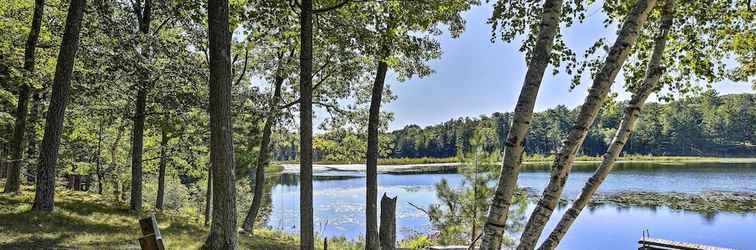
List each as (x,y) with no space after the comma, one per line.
(48,155)
(13,184)
(98,159)
(388,223)
(306,234)
(209,196)
(117,187)
(137,143)
(161,168)
(264,156)
(223,233)
(371,225)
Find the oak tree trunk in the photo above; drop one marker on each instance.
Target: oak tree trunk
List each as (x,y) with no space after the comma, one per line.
(209,196)
(13,183)
(514,146)
(654,71)
(161,168)
(137,140)
(137,144)
(306,234)
(371,210)
(117,187)
(264,155)
(223,233)
(588,111)
(48,155)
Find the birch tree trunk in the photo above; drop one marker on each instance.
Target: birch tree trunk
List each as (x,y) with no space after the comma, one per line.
(588,111)
(514,146)
(137,140)
(48,155)
(13,184)
(306,233)
(625,130)
(223,233)
(264,157)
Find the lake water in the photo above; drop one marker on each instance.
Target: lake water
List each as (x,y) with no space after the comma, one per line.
(339,204)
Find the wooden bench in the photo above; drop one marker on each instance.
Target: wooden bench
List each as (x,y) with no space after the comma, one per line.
(647,243)
(151,239)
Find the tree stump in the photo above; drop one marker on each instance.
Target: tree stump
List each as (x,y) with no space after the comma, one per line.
(387,231)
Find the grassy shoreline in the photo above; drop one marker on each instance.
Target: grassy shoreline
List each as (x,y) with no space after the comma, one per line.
(83,220)
(540,159)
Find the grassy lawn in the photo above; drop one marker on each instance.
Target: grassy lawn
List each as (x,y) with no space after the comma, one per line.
(88,221)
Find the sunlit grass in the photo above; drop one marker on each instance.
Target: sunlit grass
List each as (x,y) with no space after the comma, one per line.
(89,221)
(540,158)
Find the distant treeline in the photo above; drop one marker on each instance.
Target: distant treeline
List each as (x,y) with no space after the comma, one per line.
(704,125)
(708,124)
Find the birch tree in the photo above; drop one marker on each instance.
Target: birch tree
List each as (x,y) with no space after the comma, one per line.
(630,116)
(597,94)
(510,167)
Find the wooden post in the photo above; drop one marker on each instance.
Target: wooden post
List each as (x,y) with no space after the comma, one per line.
(387,231)
(152,240)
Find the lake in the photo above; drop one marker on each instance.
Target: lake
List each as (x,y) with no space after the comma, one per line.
(339,203)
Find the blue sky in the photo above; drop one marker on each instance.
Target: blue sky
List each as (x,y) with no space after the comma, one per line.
(475,76)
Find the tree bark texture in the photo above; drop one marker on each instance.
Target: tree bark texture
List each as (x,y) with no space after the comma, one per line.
(514,146)
(161,168)
(588,111)
(264,156)
(371,180)
(650,84)
(223,234)
(388,223)
(48,156)
(137,140)
(13,183)
(306,233)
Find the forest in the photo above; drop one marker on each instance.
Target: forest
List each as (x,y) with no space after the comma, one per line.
(704,125)
(186,109)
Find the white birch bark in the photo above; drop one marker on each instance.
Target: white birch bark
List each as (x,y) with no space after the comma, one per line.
(588,111)
(654,71)
(510,166)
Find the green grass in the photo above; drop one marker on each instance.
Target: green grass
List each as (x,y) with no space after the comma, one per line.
(84,220)
(538,158)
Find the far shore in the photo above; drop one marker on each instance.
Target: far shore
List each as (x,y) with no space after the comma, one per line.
(293,167)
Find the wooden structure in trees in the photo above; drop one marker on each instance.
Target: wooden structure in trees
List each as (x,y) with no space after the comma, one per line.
(151,239)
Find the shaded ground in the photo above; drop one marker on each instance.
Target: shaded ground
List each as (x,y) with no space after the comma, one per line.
(87,221)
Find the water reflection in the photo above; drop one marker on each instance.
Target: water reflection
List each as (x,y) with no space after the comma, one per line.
(339,204)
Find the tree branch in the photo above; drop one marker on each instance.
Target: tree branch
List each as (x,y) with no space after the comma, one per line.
(244,69)
(326,9)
